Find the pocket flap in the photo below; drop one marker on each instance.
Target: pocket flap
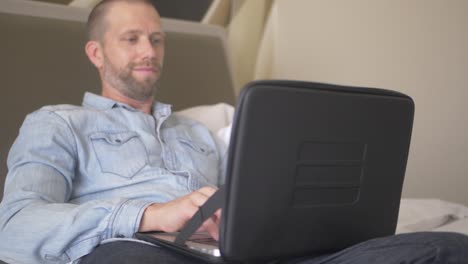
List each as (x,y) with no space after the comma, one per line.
(118,138)
(197,146)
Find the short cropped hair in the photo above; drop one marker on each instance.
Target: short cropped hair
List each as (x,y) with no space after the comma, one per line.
(96,26)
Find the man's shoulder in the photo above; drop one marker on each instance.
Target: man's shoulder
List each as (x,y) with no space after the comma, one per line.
(56,112)
(60,108)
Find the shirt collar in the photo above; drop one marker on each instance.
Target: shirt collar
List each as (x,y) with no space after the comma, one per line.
(98,102)
(161,110)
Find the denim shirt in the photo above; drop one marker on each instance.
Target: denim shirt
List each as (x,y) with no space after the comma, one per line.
(79,175)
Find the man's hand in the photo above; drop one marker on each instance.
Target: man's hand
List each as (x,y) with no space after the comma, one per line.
(172,216)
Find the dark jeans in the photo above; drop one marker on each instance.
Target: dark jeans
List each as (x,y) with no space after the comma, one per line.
(414,248)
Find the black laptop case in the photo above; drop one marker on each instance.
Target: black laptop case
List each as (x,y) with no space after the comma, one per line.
(312,168)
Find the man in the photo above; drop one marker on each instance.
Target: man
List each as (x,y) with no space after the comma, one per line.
(81,175)
(83,180)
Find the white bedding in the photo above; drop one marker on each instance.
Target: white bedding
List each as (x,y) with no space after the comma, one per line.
(415,214)
(432,215)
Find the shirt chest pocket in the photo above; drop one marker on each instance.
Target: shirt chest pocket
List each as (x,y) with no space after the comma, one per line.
(202,158)
(121,153)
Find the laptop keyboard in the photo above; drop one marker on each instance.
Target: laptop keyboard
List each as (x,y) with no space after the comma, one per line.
(203,238)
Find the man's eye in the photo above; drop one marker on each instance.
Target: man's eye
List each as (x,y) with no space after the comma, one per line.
(131,40)
(156,41)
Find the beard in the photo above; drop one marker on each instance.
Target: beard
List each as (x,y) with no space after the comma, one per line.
(123,80)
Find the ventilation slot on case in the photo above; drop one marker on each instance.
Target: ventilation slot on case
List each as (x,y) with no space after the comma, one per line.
(328,173)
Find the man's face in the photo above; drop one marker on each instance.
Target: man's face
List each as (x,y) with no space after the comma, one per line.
(133,50)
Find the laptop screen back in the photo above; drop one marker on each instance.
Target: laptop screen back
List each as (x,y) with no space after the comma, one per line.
(313,168)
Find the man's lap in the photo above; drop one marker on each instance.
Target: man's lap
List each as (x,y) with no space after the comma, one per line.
(416,248)
(128,252)
(430,247)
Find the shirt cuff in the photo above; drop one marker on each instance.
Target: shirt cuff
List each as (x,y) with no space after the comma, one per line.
(127,217)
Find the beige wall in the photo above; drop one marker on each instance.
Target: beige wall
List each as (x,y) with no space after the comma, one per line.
(244,35)
(419,47)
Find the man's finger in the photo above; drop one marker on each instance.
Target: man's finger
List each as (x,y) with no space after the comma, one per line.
(198,198)
(208,191)
(212,228)
(218,214)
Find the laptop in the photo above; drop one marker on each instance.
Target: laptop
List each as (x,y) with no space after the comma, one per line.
(312,169)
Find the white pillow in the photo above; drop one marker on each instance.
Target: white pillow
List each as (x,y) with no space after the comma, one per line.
(217,117)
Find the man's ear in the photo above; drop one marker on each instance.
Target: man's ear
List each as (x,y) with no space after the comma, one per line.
(93,50)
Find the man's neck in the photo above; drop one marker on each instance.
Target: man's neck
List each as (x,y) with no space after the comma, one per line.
(143,106)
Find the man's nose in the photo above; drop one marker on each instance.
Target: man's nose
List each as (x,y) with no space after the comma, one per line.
(147,49)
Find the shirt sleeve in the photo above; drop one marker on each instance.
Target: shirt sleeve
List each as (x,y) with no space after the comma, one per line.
(37,223)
